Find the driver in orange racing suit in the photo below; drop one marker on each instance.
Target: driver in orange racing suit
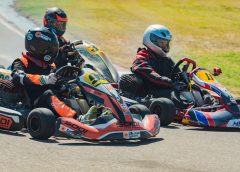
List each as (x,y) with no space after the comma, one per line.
(34,70)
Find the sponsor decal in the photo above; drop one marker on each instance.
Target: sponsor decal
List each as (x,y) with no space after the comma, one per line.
(5,122)
(134,134)
(42,36)
(47,58)
(131,134)
(29,36)
(125,135)
(75,127)
(128,124)
(94,79)
(234,123)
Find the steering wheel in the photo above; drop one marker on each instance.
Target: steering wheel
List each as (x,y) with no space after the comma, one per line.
(178,73)
(67,73)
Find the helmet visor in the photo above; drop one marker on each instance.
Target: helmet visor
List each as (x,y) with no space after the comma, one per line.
(160,42)
(60,25)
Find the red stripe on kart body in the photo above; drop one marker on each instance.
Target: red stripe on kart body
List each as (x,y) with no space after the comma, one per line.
(211,122)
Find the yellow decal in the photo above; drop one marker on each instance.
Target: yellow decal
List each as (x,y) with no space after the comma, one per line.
(205,76)
(5,74)
(93,50)
(94,79)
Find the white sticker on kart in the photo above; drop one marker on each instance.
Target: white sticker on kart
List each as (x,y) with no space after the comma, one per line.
(131,134)
(235,123)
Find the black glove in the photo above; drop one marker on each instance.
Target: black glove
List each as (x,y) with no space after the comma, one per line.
(66,48)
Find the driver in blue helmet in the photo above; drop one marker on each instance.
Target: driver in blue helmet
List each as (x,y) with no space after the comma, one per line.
(35,71)
(153,66)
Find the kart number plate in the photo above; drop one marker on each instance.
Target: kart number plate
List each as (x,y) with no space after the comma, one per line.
(131,134)
(205,76)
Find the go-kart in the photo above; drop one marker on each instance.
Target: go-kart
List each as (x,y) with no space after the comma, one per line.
(98,61)
(224,113)
(80,88)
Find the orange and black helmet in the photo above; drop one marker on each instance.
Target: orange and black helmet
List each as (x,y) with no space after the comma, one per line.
(55,19)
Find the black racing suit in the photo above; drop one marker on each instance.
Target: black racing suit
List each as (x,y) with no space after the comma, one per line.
(155,72)
(28,71)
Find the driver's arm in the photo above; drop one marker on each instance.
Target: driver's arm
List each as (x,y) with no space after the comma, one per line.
(20,77)
(172,64)
(142,67)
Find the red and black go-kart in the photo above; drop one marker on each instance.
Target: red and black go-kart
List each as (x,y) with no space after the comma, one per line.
(224,113)
(80,89)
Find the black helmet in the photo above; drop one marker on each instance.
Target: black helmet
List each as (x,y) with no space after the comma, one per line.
(42,43)
(55,19)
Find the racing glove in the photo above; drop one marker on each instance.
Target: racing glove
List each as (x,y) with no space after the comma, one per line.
(48,79)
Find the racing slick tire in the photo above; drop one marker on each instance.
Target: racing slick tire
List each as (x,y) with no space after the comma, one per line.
(139,109)
(165,109)
(41,123)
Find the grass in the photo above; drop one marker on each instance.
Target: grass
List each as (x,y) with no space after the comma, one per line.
(208,32)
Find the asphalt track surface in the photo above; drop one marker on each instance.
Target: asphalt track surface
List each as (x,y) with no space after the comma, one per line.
(176,148)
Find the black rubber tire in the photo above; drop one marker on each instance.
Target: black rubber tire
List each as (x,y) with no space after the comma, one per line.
(165,109)
(41,123)
(139,109)
(2,67)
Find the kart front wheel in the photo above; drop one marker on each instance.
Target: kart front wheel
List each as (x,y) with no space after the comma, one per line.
(41,123)
(165,109)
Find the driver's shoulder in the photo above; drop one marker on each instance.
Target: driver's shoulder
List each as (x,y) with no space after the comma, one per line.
(142,53)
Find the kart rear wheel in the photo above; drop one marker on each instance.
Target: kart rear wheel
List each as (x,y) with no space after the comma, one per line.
(165,109)
(41,123)
(139,109)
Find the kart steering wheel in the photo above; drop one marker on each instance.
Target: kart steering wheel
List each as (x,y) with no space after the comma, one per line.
(176,75)
(67,73)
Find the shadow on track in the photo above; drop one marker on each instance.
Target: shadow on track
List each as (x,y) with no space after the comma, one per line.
(12,133)
(50,140)
(126,143)
(215,129)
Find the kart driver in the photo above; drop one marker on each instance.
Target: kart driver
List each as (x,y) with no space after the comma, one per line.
(153,65)
(56,19)
(34,70)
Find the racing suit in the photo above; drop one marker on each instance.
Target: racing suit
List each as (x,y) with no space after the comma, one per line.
(155,72)
(28,72)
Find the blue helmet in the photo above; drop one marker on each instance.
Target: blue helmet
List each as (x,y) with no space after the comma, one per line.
(157,38)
